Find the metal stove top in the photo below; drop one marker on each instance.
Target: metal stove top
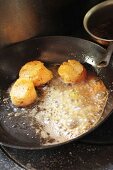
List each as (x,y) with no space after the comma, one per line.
(74,156)
(6,163)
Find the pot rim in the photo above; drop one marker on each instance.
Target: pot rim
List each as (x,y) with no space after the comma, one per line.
(88,15)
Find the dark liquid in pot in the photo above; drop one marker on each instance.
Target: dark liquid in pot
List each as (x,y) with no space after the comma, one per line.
(103,29)
(100,22)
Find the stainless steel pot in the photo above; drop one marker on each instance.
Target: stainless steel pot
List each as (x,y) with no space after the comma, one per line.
(100,16)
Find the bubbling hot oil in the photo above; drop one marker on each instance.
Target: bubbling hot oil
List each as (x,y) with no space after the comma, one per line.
(62,111)
(67,111)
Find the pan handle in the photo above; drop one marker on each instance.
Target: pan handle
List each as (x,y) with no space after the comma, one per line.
(105,62)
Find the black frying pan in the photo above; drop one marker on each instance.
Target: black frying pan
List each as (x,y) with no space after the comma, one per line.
(15,133)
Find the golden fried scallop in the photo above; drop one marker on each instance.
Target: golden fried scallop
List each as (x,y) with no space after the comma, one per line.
(23,92)
(37,72)
(72,71)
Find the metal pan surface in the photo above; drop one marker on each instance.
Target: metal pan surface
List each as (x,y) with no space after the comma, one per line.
(13,132)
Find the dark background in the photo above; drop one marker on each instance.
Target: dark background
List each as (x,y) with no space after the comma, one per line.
(23,19)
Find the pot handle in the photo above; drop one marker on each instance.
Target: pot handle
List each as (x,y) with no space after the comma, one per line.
(105,62)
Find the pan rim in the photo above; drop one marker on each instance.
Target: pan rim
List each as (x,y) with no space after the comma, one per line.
(68,141)
(56,36)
